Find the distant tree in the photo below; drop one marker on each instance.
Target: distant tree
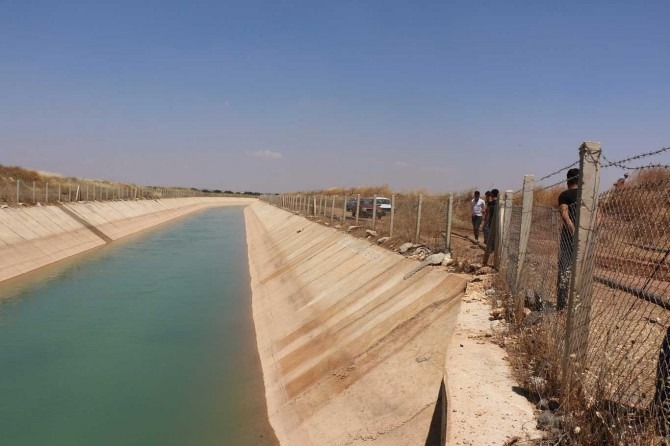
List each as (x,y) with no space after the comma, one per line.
(217,191)
(228,192)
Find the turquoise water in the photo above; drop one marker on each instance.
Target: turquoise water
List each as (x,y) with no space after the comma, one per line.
(148,341)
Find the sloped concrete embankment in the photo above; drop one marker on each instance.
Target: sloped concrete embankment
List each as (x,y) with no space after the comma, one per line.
(34,237)
(351,352)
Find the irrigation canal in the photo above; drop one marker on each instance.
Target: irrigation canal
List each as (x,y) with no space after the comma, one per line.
(148,341)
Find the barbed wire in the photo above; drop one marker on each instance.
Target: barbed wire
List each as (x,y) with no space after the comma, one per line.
(562,169)
(622,166)
(621,163)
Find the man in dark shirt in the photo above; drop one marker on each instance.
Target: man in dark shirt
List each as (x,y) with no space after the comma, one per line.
(491,208)
(567,206)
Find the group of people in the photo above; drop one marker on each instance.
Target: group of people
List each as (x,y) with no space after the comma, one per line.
(483,210)
(567,207)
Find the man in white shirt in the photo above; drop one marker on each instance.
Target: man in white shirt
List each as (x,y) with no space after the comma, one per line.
(478,207)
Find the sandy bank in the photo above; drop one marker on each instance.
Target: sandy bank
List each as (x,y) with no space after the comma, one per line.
(37,236)
(351,352)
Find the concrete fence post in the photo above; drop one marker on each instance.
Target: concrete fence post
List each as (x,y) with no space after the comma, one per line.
(34,198)
(507,220)
(417,235)
(344,209)
(18,191)
(332,211)
(69,192)
(374,212)
(524,235)
(59,196)
(86,191)
(314,210)
(581,280)
(46,193)
(447,235)
(392,215)
(358,207)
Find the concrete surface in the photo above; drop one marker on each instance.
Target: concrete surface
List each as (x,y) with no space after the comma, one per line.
(351,352)
(37,236)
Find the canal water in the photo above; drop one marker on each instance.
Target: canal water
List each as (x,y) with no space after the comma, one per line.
(147,341)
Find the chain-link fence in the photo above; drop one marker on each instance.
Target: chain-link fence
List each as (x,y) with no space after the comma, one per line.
(410,217)
(589,289)
(17,191)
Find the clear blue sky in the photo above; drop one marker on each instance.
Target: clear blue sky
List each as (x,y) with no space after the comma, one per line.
(286,95)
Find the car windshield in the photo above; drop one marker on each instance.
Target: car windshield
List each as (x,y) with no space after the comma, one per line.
(383,201)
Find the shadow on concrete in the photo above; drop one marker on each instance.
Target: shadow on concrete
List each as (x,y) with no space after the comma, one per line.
(437,434)
(88,225)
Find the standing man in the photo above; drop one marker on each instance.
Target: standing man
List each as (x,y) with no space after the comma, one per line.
(487,200)
(478,207)
(567,207)
(491,207)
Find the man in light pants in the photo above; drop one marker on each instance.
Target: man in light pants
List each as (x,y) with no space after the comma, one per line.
(478,207)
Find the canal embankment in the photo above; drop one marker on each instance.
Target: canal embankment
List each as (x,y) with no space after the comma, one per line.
(352,352)
(33,237)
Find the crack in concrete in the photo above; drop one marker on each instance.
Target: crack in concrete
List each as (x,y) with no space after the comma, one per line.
(379,434)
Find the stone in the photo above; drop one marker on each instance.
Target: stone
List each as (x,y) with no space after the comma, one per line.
(490,292)
(351,228)
(485,270)
(338,226)
(371,233)
(383,240)
(497,313)
(435,259)
(405,247)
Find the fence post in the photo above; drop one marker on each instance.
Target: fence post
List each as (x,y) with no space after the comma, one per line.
(507,221)
(18,191)
(418,220)
(86,191)
(447,235)
(392,215)
(325,206)
(374,212)
(344,209)
(58,193)
(526,220)
(358,207)
(332,211)
(581,280)
(46,193)
(69,192)
(314,210)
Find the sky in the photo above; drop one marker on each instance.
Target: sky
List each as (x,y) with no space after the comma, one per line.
(281,96)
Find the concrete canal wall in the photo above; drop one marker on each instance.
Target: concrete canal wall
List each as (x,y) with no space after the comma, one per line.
(37,236)
(351,352)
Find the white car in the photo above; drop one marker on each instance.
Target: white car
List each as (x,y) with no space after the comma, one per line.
(385,204)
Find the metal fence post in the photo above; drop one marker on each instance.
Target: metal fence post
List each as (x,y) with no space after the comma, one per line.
(417,235)
(526,220)
(374,212)
(392,215)
(447,235)
(358,207)
(581,280)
